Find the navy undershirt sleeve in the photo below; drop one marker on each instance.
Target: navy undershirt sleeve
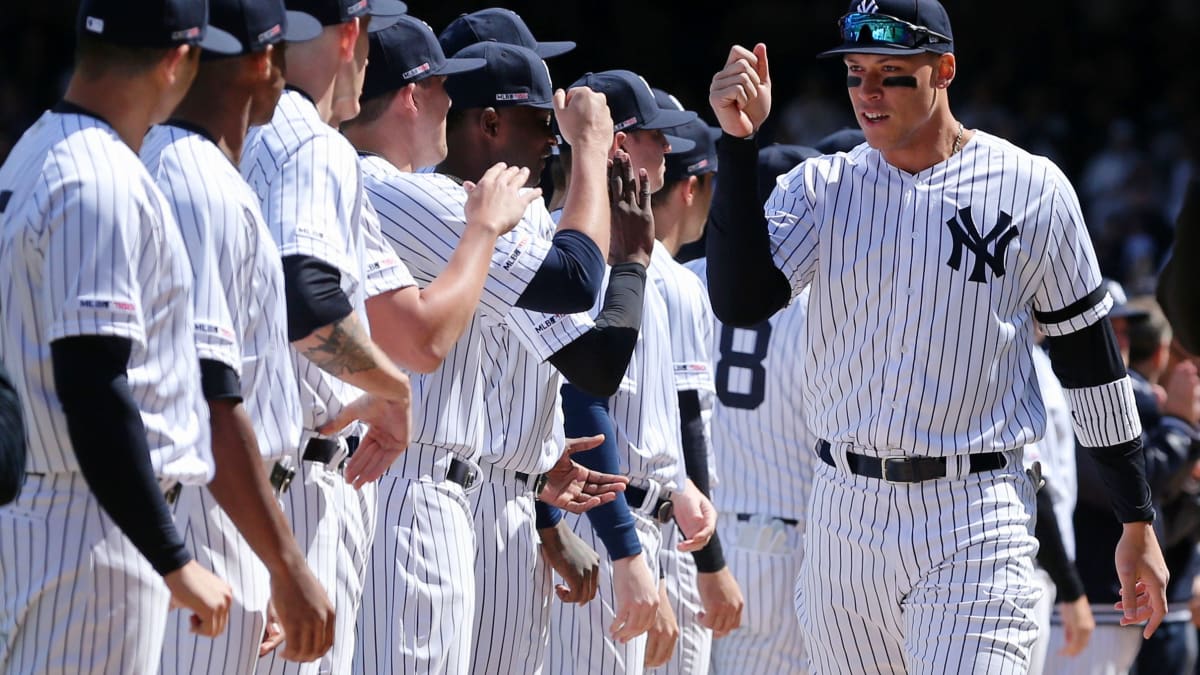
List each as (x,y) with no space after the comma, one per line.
(546,515)
(110,444)
(314,295)
(586,415)
(744,285)
(568,279)
(219,382)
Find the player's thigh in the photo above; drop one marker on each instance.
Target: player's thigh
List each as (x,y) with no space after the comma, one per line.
(765,558)
(973,609)
(693,649)
(85,599)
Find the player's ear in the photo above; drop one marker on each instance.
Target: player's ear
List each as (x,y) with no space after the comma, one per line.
(262,64)
(944,71)
(689,189)
(618,141)
(406,100)
(347,39)
(489,122)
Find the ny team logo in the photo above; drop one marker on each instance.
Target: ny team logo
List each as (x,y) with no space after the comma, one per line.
(966,235)
(868,7)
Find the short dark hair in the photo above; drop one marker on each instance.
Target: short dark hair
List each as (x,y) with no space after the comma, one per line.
(1147,334)
(95,57)
(660,197)
(372,108)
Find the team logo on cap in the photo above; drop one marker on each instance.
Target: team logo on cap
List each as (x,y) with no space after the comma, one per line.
(626,124)
(515,96)
(272,32)
(94,24)
(868,7)
(192,33)
(409,74)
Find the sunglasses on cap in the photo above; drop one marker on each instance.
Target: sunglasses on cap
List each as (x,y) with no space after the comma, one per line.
(858,27)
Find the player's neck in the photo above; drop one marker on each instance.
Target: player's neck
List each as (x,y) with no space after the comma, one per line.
(668,228)
(931,144)
(374,138)
(225,117)
(128,105)
(463,165)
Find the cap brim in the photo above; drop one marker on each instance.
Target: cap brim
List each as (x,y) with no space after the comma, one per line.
(680,144)
(385,13)
(548,50)
(301,27)
(218,41)
(666,119)
(884,50)
(454,66)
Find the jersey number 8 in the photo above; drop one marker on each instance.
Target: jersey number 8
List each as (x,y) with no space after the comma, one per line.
(741,377)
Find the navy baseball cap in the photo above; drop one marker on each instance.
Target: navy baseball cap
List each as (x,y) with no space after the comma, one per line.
(776,160)
(1121,308)
(383,13)
(511,76)
(501,25)
(406,52)
(684,161)
(154,24)
(842,140)
(894,27)
(258,23)
(632,102)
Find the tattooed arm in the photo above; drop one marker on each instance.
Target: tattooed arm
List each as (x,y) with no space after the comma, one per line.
(345,350)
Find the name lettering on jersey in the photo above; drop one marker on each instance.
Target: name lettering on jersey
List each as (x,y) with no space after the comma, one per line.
(4,197)
(966,235)
(517,251)
(868,7)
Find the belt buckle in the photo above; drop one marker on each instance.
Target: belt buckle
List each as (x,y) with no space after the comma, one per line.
(665,510)
(281,478)
(883,469)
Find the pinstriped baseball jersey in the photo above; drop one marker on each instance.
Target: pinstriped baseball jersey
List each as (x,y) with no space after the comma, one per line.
(1056,450)
(994,231)
(762,446)
(423,217)
(690,317)
(90,248)
(307,178)
(227,239)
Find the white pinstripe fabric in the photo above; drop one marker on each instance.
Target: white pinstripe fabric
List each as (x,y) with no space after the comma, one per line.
(90,248)
(77,596)
(579,638)
(877,244)
(693,649)
(1111,651)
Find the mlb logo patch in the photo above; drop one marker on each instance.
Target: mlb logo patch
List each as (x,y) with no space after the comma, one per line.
(516,96)
(192,33)
(409,74)
(272,32)
(357,8)
(698,165)
(626,124)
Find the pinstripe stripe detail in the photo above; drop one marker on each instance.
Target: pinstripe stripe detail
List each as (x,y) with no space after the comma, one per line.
(1106,415)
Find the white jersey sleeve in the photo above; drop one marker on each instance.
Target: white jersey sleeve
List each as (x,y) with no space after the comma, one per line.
(214,230)
(383,268)
(690,318)
(793,228)
(1069,296)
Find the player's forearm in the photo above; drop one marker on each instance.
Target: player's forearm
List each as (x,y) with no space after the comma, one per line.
(109,441)
(345,350)
(242,489)
(1178,291)
(1104,414)
(586,209)
(744,284)
(418,328)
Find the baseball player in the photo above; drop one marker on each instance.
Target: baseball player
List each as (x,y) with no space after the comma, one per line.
(12,441)
(307,179)
(420,620)
(517,449)
(761,447)
(98,334)
(702,592)
(918,553)
(236,525)
(644,427)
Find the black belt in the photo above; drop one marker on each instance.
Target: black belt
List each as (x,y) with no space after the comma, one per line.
(172,495)
(663,508)
(323,450)
(745,517)
(460,472)
(901,469)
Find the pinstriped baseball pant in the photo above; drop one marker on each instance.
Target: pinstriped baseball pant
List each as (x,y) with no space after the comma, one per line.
(931,578)
(693,649)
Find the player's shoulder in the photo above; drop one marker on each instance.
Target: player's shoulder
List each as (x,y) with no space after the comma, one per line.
(296,130)
(815,173)
(1008,158)
(389,185)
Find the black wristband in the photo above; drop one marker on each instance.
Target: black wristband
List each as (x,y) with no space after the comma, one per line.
(711,558)
(219,382)
(1123,471)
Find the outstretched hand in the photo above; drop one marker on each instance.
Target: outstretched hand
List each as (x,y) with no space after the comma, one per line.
(576,488)
(1143,575)
(632,238)
(498,201)
(740,93)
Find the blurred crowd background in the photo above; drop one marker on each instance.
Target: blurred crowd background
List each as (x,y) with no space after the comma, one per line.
(1107,88)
